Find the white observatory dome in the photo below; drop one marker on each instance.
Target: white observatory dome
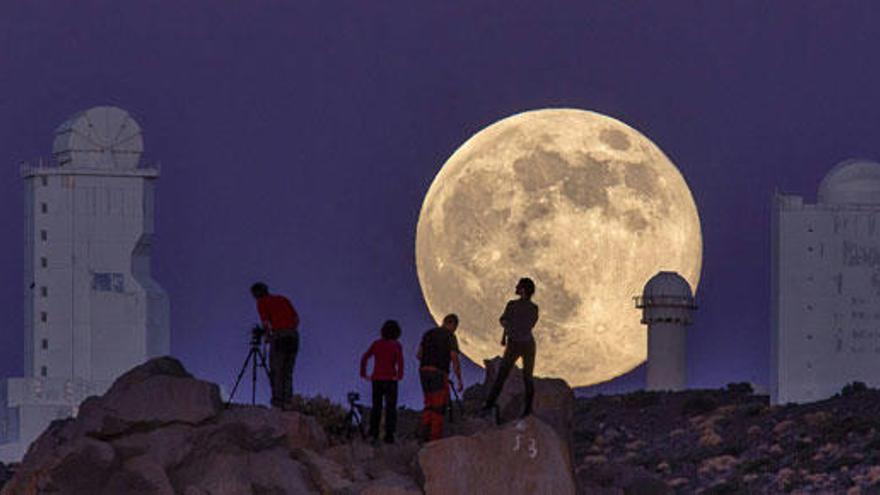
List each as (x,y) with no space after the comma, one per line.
(852,182)
(667,284)
(667,297)
(99,138)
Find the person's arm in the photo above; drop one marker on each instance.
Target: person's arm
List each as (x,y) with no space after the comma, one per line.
(505,316)
(294,316)
(504,319)
(399,363)
(364,360)
(456,367)
(456,364)
(264,316)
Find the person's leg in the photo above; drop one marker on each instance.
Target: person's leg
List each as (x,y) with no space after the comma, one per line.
(390,410)
(287,347)
(440,400)
(293,350)
(276,363)
(528,370)
(435,389)
(376,411)
(425,382)
(506,365)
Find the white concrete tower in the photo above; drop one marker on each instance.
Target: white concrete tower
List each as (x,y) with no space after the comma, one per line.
(667,305)
(91,308)
(825,286)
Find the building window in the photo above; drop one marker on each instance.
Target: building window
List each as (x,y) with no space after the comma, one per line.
(108,282)
(44,236)
(44,317)
(45,343)
(44,262)
(44,180)
(44,291)
(44,208)
(43,371)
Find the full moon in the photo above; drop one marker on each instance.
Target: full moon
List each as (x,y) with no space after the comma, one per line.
(586,206)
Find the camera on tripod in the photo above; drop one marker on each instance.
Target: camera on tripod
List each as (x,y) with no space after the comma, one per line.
(257,334)
(355,417)
(256,358)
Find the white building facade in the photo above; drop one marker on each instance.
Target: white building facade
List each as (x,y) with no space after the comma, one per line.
(91,308)
(825,286)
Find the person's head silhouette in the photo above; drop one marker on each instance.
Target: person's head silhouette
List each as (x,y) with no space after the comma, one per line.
(525,288)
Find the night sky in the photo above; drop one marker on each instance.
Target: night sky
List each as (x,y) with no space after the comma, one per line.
(298,139)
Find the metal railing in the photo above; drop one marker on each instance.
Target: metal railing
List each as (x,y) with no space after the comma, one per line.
(642,302)
(42,163)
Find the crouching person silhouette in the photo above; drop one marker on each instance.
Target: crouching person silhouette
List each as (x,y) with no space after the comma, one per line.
(437,349)
(387,371)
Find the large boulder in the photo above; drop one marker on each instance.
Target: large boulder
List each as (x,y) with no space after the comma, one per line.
(523,457)
(157,393)
(82,466)
(158,430)
(553,402)
(262,428)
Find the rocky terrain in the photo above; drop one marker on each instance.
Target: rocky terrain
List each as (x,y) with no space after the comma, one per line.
(728,441)
(160,431)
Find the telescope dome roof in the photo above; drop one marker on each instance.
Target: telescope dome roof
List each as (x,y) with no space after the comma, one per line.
(852,182)
(666,284)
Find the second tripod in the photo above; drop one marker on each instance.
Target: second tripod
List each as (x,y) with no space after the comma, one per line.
(256,358)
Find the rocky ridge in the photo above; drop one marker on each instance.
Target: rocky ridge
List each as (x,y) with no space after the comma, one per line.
(158,431)
(728,441)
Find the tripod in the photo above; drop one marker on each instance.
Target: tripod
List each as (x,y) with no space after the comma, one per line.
(354,420)
(257,358)
(451,405)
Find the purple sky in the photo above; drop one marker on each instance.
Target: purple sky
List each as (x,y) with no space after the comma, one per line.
(297,141)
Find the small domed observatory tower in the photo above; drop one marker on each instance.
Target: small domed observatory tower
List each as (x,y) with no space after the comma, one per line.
(667,305)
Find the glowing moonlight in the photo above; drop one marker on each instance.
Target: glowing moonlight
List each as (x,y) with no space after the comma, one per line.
(580,202)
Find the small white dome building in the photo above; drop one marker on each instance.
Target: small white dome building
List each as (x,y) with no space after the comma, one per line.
(854,181)
(667,305)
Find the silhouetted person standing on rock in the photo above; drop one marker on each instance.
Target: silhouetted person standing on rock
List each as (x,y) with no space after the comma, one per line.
(387,371)
(281,323)
(518,320)
(438,348)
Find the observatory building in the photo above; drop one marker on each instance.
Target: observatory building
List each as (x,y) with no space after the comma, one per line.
(667,305)
(825,286)
(91,308)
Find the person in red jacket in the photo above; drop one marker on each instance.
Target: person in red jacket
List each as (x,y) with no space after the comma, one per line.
(387,371)
(281,323)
